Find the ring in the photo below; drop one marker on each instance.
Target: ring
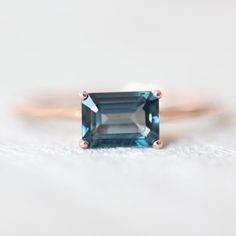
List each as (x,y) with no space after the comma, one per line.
(120,119)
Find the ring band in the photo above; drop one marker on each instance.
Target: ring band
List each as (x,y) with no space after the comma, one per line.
(67,107)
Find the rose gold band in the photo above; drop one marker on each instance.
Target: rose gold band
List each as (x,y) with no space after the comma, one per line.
(179,106)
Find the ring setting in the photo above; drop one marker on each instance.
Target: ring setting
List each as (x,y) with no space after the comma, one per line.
(121,119)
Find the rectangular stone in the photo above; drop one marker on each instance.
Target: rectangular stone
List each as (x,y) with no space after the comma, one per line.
(124,119)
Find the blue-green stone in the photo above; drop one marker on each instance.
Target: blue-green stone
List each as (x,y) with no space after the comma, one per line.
(124,119)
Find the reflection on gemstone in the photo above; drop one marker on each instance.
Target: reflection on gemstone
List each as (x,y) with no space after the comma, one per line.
(120,119)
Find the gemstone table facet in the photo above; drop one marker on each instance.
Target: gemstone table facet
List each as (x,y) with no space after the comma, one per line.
(124,119)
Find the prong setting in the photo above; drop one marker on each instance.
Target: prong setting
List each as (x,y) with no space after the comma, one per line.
(84,144)
(137,108)
(83,95)
(158,144)
(157,93)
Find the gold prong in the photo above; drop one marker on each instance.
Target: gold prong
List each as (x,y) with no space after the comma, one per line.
(83,95)
(84,144)
(158,144)
(157,93)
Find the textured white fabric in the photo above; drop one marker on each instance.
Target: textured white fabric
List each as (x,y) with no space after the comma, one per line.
(49,186)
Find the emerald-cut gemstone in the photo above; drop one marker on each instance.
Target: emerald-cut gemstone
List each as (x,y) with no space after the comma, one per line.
(124,119)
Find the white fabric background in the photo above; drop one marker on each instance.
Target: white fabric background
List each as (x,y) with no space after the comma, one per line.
(48,186)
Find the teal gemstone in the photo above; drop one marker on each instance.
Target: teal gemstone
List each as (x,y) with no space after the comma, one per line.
(124,119)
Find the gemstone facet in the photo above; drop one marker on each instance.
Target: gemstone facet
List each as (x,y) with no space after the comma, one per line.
(124,119)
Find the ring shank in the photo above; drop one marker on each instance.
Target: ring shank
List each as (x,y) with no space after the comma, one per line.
(176,106)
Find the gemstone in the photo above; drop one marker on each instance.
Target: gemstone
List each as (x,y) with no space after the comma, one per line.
(124,119)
